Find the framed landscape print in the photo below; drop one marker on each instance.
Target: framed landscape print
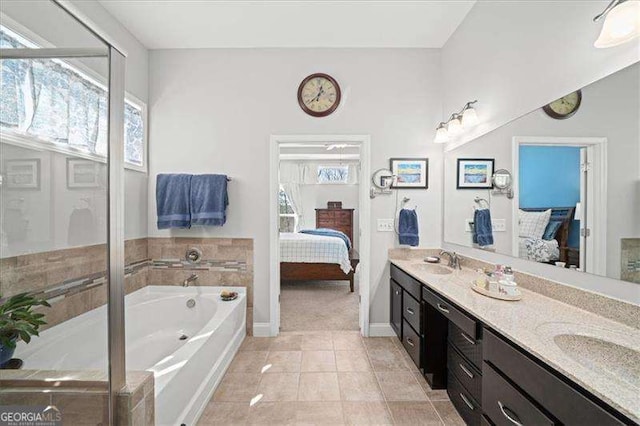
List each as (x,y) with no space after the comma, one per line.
(475,173)
(23,174)
(410,172)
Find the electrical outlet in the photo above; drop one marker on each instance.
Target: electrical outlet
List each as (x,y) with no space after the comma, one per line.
(467,225)
(499,225)
(385,225)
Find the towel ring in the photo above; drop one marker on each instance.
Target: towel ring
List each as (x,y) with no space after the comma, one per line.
(479,201)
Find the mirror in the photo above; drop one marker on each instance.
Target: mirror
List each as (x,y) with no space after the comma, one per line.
(382,179)
(575,183)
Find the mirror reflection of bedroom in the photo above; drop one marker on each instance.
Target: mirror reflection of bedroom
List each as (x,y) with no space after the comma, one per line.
(318,207)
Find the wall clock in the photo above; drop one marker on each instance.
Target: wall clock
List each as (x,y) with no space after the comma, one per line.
(564,107)
(319,95)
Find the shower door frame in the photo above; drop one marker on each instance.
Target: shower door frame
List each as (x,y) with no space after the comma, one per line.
(115,191)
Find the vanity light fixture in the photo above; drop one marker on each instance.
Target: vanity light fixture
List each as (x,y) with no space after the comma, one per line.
(467,117)
(621,23)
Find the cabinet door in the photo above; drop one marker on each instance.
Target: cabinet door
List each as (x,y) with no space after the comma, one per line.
(396,308)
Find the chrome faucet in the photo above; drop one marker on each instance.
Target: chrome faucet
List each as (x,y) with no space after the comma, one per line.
(454,259)
(189,280)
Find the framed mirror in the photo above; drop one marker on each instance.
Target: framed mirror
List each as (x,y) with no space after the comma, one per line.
(382,179)
(575,184)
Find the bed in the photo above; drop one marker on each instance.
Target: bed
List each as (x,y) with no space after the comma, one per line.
(305,257)
(553,249)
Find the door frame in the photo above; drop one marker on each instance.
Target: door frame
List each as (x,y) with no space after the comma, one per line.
(598,203)
(364,221)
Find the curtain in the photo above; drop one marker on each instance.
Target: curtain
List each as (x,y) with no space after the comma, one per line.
(292,190)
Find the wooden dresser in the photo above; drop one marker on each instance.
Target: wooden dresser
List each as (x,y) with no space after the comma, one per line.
(338,219)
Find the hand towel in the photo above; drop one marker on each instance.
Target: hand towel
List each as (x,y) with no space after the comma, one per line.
(172,200)
(408,228)
(482,230)
(209,200)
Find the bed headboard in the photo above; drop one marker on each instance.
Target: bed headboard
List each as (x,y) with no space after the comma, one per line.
(563,215)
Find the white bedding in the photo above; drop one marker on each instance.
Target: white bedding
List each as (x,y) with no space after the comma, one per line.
(306,248)
(538,250)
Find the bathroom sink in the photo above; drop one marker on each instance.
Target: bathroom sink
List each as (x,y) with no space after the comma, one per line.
(603,356)
(433,269)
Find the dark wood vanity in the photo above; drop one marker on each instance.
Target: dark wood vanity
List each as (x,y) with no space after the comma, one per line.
(490,380)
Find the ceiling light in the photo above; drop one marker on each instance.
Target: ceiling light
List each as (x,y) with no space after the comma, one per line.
(454,126)
(621,23)
(469,115)
(442,136)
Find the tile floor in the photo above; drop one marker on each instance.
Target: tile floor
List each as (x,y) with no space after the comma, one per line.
(326,377)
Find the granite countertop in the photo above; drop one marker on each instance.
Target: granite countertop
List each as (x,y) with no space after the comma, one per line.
(536,320)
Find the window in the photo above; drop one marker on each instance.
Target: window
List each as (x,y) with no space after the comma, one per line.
(50,101)
(287,215)
(333,174)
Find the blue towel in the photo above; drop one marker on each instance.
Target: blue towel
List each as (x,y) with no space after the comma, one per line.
(482,230)
(209,200)
(326,232)
(172,200)
(408,228)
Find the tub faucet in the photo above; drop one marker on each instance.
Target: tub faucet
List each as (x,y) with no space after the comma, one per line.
(189,280)
(454,259)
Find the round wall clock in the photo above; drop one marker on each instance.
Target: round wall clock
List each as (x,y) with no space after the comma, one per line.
(319,95)
(564,107)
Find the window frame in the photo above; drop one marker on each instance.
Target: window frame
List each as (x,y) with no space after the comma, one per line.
(293,215)
(329,166)
(36,143)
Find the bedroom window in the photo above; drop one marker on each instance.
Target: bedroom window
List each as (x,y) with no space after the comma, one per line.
(51,103)
(333,174)
(287,215)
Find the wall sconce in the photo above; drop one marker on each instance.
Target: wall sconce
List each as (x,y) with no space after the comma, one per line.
(467,117)
(621,23)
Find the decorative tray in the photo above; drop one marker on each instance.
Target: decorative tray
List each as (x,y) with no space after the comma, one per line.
(496,295)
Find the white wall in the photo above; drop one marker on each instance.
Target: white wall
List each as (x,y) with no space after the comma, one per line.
(515,56)
(610,108)
(214,111)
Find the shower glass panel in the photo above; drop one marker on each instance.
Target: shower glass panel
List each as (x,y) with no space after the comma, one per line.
(54,134)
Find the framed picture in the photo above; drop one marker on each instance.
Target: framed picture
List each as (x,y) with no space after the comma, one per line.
(23,174)
(82,173)
(410,172)
(475,173)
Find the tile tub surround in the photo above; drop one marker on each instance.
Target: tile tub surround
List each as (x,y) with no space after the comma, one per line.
(533,323)
(73,280)
(326,377)
(225,262)
(83,397)
(616,310)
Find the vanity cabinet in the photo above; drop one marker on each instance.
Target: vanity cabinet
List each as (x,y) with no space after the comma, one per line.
(396,308)
(406,312)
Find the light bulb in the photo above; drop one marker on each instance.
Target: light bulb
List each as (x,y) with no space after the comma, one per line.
(469,117)
(621,24)
(455,125)
(442,136)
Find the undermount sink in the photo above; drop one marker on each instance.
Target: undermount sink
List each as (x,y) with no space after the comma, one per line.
(433,269)
(602,355)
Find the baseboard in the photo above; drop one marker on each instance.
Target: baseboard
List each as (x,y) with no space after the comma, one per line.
(381,329)
(262,329)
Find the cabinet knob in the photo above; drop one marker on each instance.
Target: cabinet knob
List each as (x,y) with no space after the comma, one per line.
(509,414)
(411,311)
(466,401)
(410,342)
(467,338)
(443,308)
(466,371)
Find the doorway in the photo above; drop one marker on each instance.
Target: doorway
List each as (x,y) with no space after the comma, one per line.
(318,186)
(568,177)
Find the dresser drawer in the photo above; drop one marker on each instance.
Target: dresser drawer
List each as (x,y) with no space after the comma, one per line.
(411,342)
(565,403)
(466,374)
(458,317)
(467,407)
(411,285)
(469,347)
(505,405)
(411,312)
(329,214)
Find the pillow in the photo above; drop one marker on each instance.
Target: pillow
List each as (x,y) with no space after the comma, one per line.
(533,224)
(552,229)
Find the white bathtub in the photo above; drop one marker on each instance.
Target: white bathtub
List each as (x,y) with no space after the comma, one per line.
(186,371)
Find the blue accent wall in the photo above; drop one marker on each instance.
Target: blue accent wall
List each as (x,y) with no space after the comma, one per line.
(550,177)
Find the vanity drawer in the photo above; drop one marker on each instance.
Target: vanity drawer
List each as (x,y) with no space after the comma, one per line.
(466,374)
(453,314)
(411,312)
(467,407)
(410,284)
(505,405)
(567,404)
(469,347)
(411,342)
